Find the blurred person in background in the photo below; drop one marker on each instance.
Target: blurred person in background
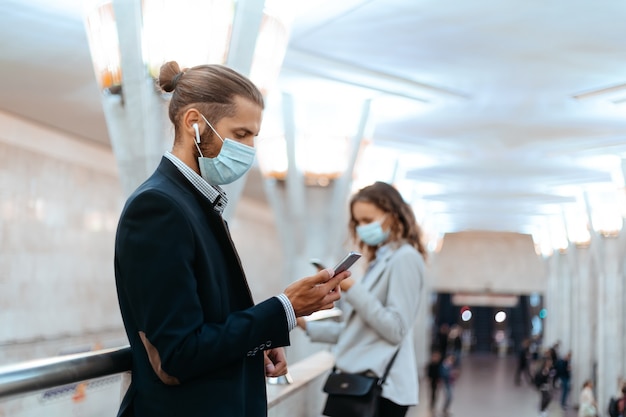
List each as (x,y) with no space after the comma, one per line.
(587,406)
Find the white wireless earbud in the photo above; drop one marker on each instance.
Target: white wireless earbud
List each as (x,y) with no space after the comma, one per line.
(195,127)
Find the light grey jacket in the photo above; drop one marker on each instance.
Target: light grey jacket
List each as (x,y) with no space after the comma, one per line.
(379,316)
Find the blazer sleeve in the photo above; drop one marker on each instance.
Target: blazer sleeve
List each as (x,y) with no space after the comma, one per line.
(155,252)
(394,317)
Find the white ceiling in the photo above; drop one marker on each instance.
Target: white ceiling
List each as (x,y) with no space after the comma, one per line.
(504,114)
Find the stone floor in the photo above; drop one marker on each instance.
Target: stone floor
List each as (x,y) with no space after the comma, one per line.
(486,388)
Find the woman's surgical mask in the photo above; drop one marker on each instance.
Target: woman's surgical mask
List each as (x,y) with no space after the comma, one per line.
(234,160)
(372,233)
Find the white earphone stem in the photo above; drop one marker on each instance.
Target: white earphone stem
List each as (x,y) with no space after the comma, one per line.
(195,127)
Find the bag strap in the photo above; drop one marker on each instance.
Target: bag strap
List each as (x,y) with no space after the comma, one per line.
(393,358)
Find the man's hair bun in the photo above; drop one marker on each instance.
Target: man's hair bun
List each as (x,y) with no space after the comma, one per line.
(169,75)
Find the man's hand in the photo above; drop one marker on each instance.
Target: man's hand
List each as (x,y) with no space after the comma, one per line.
(275,362)
(317,292)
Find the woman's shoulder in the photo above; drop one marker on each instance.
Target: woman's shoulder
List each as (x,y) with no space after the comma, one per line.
(406,250)
(405,256)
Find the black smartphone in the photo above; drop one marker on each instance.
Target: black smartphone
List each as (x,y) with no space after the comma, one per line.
(347,262)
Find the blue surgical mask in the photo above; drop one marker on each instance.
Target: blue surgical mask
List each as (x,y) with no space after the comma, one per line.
(234,160)
(372,233)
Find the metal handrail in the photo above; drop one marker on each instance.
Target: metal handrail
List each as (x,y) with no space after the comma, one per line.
(40,374)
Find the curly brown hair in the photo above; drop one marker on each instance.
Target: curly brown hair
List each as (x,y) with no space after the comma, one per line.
(403,225)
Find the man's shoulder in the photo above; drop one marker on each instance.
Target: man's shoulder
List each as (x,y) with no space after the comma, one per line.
(154,188)
(156,192)
(159,183)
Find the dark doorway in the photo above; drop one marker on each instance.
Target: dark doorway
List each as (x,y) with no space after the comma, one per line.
(483,333)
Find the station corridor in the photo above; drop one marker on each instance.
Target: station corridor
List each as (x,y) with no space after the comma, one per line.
(486,388)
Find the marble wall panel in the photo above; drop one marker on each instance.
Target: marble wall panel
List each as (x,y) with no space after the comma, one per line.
(58,214)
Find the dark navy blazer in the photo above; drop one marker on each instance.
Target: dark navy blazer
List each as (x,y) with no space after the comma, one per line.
(197,339)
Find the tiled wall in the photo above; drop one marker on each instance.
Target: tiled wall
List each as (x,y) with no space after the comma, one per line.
(59,204)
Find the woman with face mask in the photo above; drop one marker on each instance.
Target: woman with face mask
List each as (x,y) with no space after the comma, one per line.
(383,304)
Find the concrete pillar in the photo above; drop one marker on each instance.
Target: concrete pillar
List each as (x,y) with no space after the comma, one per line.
(244,34)
(304,235)
(136,119)
(312,221)
(584,319)
(551,330)
(622,296)
(574,317)
(564,290)
(610,318)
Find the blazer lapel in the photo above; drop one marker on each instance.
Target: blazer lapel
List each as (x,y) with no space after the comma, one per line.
(375,273)
(215,221)
(371,277)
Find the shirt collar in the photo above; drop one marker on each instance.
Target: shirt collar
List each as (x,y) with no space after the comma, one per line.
(215,194)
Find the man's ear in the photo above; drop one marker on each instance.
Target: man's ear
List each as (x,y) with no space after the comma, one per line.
(190,118)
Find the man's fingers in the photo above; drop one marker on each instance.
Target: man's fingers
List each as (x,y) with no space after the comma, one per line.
(332,296)
(336,280)
(277,365)
(323,276)
(309,293)
(269,365)
(328,306)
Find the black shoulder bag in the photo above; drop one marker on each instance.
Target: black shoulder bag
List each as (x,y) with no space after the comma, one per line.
(354,395)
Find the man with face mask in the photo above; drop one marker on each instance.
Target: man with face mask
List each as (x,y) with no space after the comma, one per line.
(200,345)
